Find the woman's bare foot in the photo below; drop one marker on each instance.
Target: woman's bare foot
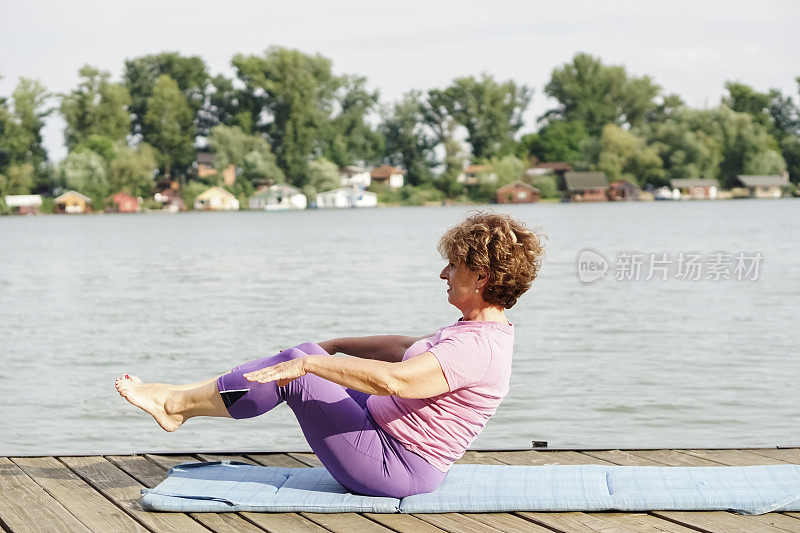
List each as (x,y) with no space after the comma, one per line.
(153,398)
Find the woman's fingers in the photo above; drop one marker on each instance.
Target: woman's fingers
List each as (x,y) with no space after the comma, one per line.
(282,372)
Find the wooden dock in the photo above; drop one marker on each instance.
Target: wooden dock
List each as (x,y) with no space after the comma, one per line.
(101,493)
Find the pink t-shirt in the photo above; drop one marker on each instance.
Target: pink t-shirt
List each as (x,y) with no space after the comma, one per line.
(476,360)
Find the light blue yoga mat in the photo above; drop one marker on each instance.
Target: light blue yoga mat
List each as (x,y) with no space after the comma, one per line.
(233,486)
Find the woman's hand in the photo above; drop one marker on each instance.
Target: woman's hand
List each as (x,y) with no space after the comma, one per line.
(283,373)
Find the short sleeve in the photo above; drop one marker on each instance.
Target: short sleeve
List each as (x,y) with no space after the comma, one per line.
(464,358)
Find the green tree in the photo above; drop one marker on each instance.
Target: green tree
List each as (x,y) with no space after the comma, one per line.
(132,170)
(251,153)
(596,94)
(765,162)
(556,141)
(790,149)
(351,138)
(408,143)
(228,105)
(444,127)
(142,75)
(18,179)
(169,119)
(490,111)
(86,173)
(96,107)
(21,124)
(547,185)
(323,175)
(299,91)
(744,99)
(623,155)
(507,168)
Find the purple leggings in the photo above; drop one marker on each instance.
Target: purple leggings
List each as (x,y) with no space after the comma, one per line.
(335,420)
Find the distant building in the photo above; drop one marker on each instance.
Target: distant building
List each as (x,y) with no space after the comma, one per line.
(623,190)
(73,202)
(764,186)
(559,168)
(170,200)
(277,197)
(216,199)
(665,193)
(471,175)
(388,175)
(123,202)
(346,197)
(24,204)
(518,192)
(586,186)
(696,189)
(206,168)
(355,176)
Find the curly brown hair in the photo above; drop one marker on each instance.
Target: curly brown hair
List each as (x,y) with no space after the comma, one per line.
(501,245)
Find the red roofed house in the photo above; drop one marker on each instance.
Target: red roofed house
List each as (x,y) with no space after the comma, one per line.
(518,192)
(388,175)
(123,202)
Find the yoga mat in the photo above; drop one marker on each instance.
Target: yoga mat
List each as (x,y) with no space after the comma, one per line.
(230,486)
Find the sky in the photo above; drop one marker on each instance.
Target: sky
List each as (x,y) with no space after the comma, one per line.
(689,47)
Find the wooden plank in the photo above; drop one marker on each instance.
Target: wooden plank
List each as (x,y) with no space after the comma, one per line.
(789,455)
(150,474)
(621,457)
(168,461)
(306,458)
(82,500)
(403,523)
(506,522)
(723,522)
(734,457)
(572,522)
(124,491)
(26,507)
(532,457)
(643,523)
(219,457)
(673,458)
(478,458)
(456,523)
(276,459)
(346,522)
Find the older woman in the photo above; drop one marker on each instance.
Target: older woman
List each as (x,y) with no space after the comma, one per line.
(391,420)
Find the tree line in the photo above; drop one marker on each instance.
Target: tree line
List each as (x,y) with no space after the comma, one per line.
(286,117)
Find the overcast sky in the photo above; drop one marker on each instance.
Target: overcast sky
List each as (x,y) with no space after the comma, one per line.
(690,47)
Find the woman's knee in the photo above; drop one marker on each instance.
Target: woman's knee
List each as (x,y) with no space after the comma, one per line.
(311,348)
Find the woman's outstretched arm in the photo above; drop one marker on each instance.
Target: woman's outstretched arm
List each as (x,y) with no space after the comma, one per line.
(388,348)
(418,377)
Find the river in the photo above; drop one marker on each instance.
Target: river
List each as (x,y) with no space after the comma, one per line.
(616,362)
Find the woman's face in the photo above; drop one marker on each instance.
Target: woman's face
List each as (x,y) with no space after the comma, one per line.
(461,284)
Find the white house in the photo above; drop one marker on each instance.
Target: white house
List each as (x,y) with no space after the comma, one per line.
(278,197)
(216,199)
(346,197)
(353,176)
(24,204)
(388,175)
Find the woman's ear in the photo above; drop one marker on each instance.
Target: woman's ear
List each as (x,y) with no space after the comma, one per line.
(483,278)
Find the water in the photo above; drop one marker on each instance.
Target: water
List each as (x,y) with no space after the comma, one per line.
(183,298)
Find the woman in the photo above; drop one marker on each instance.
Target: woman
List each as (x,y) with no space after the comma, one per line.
(391,420)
